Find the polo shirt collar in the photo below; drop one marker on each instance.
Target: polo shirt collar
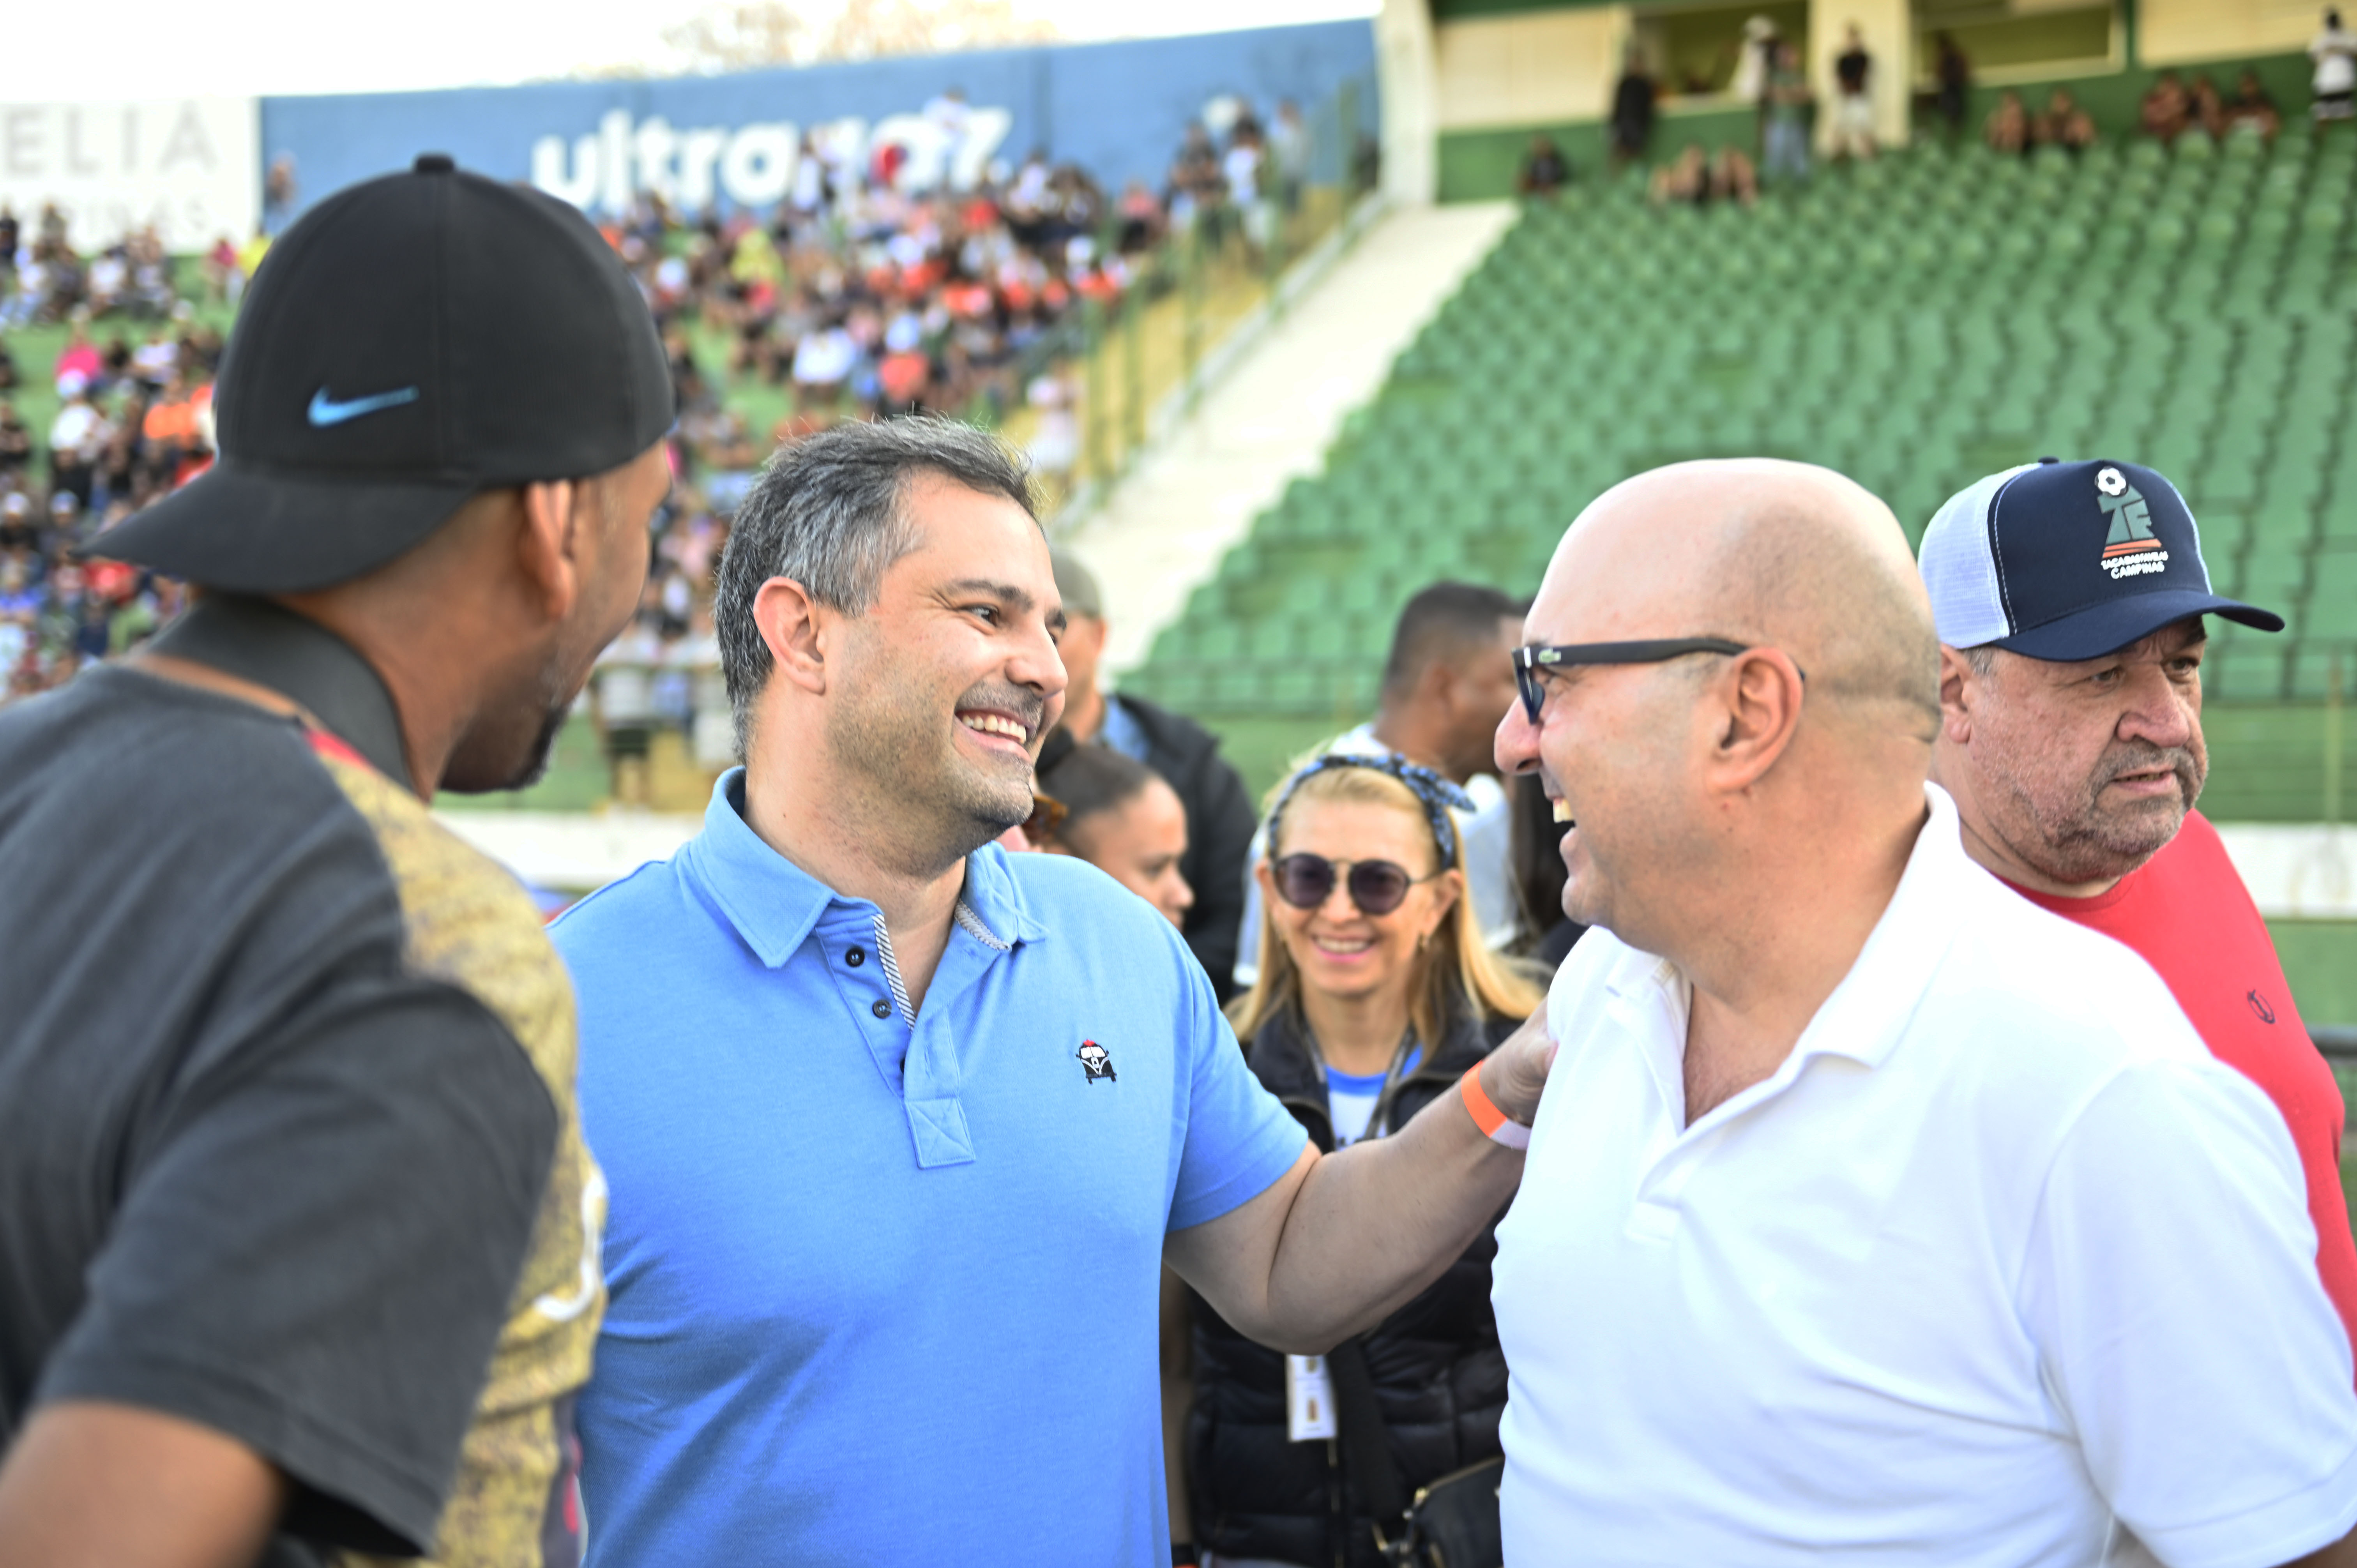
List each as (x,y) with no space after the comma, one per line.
(1867,1012)
(773,904)
(1876,1003)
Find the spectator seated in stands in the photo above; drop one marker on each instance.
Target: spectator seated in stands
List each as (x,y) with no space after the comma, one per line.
(1700,178)
(1121,817)
(16,443)
(2251,112)
(1635,102)
(2065,125)
(2006,129)
(2167,109)
(1545,168)
(2209,109)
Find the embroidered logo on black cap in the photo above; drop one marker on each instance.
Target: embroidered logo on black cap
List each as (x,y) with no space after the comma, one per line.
(1096,1062)
(2129,549)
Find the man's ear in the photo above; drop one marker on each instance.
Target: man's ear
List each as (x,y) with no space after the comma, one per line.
(1960,692)
(792,624)
(1754,710)
(550,546)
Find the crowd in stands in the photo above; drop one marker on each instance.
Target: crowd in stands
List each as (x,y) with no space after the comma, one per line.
(1770,75)
(853,298)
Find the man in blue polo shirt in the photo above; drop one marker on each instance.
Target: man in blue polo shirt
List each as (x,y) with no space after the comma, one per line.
(899,1129)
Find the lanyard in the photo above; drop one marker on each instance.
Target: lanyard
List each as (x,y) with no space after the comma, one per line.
(1379,1121)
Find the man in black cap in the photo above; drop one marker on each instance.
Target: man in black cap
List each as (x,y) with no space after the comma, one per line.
(2070,599)
(289,1152)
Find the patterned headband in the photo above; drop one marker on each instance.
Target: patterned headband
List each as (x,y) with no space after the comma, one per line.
(1435,793)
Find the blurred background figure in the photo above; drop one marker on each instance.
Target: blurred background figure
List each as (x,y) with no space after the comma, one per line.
(1545,168)
(1636,98)
(1536,842)
(2007,130)
(1853,128)
(1784,118)
(2334,52)
(1376,992)
(1121,817)
(1447,679)
(1183,754)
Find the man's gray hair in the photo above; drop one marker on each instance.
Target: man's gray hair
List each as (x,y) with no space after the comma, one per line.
(830,514)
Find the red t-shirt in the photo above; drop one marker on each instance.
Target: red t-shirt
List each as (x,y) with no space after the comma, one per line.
(2186,912)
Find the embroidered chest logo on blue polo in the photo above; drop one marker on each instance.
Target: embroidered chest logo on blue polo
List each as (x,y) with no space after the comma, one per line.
(1096,1062)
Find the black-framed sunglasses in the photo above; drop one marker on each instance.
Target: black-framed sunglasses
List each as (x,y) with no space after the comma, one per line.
(1377,886)
(1535,660)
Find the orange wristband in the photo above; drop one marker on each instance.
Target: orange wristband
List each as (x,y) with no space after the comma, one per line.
(1494,1122)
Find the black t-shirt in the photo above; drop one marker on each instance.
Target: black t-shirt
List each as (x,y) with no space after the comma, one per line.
(274,1154)
(1849,69)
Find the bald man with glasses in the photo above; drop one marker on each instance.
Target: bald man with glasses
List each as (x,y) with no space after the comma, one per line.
(1870,1210)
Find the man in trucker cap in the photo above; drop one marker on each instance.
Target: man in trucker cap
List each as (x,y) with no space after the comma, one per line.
(2070,600)
(299,1239)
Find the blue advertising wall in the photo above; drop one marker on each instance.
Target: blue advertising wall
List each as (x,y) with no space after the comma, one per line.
(1117,109)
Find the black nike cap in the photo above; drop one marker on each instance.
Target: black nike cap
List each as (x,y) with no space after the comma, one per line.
(411,341)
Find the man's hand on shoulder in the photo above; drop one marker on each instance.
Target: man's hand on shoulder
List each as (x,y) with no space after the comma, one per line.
(1514,1075)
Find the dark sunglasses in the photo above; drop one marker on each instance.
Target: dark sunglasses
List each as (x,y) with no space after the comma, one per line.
(1377,886)
(1530,663)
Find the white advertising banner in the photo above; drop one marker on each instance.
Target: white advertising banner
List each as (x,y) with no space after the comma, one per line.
(191,167)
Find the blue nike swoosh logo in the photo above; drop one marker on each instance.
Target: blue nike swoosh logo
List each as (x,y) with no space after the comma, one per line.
(325,410)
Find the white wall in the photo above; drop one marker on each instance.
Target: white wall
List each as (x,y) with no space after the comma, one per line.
(191,166)
(1530,68)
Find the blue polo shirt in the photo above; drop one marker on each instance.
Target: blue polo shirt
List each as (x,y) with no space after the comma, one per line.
(883,1289)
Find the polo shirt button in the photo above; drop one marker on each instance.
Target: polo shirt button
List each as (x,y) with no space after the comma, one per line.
(855,957)
(882,1009)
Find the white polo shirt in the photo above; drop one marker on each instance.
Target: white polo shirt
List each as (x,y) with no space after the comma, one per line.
(2000,1267)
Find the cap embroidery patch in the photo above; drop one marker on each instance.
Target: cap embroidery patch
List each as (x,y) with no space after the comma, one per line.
(2129,549)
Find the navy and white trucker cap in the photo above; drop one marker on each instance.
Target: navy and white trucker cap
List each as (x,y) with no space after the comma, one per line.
(2066,560)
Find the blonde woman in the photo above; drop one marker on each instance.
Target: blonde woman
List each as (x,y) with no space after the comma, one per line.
(1375,993)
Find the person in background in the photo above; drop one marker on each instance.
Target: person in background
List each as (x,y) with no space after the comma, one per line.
(1376,991)
(1121,817)
(1873,1214)
(1853,128)
(2166,109)
(2065,125)
(2334,52)
(1636,101)
(1784,138)
(2208,107)
(2070,739)
(1183,754)
(1547,935)
(1545,168)
(1448,676)
(1951,73)
(2008,127)
(2251,111)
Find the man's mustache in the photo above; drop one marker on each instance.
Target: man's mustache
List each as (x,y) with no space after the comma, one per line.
(2147,758)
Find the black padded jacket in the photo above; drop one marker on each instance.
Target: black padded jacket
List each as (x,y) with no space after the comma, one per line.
(1439,1377)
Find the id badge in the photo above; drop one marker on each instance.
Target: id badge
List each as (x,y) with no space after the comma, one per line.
(1308,1398)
